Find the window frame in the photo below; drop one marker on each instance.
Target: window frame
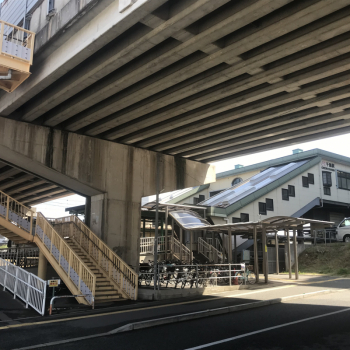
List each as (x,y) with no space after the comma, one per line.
(289,190)
(325,189)
(272,206)
(313,178)
(327,183)
(236,178)
(235,220)
(215,193)
(52,7)
(285,191)
(306,180)
(242,217)
(262,208)
(346,178)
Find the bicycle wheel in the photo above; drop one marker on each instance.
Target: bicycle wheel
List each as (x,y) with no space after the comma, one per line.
(251,277)
(240,277)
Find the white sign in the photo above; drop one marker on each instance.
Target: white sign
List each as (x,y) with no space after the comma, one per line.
(328,165)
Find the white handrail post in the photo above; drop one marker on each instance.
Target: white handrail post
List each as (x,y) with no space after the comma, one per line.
(6,272)
(44,298)
(28,291)
(16,283)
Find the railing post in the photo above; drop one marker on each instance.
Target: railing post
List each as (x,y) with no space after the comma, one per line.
(16,283)
(80,273)
(229,274)
(6,272)
(7,207)
(28,291)
(69,262)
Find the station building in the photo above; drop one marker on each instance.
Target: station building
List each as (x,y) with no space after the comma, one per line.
(314,184)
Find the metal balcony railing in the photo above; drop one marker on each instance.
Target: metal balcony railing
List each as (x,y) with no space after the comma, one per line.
(16,55)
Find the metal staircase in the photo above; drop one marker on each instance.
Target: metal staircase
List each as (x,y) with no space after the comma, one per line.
(174,248)
(82,260)
(209,251)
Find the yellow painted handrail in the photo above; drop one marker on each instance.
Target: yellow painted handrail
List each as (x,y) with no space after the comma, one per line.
(12,206)
(77,272)
(116,268)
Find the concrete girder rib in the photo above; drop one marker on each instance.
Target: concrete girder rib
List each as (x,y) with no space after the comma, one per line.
(189,15)
(234,49)
(294,141)
(268,141)
(100,31)
(224,75)
(124,50)
(264,120)
(117,119)
(217,107)
(258,132)
(231,23)
(172,146)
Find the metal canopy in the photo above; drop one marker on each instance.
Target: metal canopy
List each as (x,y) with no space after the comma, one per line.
(163,206)
(272,224)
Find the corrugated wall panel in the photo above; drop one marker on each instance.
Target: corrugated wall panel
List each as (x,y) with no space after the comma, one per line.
(12,11)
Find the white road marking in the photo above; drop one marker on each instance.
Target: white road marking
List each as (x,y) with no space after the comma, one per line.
(266,330)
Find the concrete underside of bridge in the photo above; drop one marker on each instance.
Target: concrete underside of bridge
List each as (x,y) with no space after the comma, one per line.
(202,80)
(112,176)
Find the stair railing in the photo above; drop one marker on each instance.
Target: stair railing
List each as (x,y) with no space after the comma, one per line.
(116,268)
(209,251)
(16,213)
(177,247)
(74,268)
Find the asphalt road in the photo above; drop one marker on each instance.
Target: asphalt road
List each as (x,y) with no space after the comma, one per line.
(319,322)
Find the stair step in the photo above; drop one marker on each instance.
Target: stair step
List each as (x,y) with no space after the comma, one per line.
(106,293)
(104,288)
(101,298)
(100,301)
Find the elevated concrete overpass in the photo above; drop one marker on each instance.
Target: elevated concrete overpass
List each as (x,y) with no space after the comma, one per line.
(197,80)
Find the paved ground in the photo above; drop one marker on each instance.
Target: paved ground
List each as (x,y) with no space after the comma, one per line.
(326,332)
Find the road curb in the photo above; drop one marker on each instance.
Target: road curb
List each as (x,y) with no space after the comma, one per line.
(211,312)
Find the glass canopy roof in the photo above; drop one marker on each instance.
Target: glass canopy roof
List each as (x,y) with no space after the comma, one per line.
(188,219)
(245,188)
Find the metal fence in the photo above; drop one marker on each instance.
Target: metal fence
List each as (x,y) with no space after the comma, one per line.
(195,276)
(22,257)
(24,285)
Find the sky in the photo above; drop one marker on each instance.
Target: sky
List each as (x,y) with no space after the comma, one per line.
(337,144)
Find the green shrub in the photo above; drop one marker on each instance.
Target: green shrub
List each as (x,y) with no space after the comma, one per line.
(343,271)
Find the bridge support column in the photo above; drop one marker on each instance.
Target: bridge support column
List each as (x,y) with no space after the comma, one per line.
(42,266)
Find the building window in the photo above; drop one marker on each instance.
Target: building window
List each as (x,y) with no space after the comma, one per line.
(201,197)
(236,181)
(213,193)
(235,220)
(343,180)
(244,217)
(305,181)
(285,195)
(50,6)
(311,178)
(262,208)
(327,178)
(269,204)
(291,191)
(327,191)
(195,200)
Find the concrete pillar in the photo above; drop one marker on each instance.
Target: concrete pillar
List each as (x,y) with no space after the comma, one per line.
(256,257)
(277,257)
(265,257)
(288,254)
(42,266)
(113,175)
(296,265)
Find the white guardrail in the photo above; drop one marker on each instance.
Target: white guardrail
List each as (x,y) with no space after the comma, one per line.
(24,285)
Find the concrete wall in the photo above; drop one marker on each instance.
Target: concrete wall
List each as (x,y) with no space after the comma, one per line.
(115,176)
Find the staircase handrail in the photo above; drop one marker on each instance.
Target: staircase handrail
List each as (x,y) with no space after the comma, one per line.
(203,245)
(124,276)
(66,254)
(13,206)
